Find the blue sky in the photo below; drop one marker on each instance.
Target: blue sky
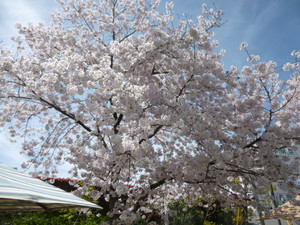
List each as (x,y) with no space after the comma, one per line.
(270,27)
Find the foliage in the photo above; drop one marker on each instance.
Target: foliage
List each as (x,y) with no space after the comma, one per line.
(181,213)
(139,221)
(141,107)
(54,218)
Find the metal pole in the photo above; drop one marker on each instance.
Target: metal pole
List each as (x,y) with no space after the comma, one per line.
(238,216)
(274,201)
(166,211)
(166,219)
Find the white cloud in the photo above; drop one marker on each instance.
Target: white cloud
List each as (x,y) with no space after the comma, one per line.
(10,155)
(10,152)
(24,12)
(21,11)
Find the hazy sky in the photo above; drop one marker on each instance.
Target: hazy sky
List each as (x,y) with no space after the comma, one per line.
(270,27)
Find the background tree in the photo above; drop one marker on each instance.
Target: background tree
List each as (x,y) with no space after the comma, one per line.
(129,95)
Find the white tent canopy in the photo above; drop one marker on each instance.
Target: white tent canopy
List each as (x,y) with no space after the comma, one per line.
(22,192)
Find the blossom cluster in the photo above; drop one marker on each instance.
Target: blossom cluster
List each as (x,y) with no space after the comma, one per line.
(131,98)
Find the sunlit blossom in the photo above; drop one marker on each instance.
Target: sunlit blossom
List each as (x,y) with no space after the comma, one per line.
(143,109)
(243,45)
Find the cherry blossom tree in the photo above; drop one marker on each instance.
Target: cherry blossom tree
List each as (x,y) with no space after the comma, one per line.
(139,104)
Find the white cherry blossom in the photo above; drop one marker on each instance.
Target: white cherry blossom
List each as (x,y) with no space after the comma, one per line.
(136,101)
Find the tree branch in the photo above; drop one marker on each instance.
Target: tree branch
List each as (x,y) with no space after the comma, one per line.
(152,135)
(118,119)
(70,115)
(142,198)
(253,142)
(126,36)
(184,86)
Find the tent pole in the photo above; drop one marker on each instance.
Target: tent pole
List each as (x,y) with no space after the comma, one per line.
(288,222)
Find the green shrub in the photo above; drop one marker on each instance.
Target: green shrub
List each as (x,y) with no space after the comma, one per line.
(66,217)
(181,214)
